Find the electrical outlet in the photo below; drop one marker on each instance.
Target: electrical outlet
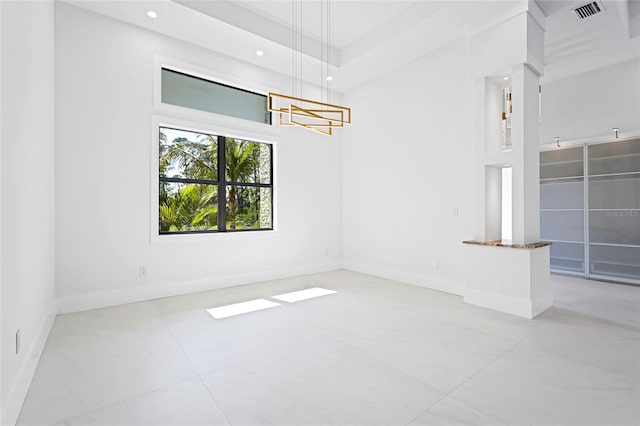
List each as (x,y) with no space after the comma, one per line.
(454,212)
(436,264)
(142,271)
(18,341)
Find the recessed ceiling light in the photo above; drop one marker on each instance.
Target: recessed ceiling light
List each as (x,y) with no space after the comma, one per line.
(506,78)
(329,78)
(152,14)
(259,52)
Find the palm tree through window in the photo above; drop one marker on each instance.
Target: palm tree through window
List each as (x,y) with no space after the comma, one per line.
(213,183)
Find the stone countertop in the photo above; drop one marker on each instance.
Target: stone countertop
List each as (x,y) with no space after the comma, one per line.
(498,243)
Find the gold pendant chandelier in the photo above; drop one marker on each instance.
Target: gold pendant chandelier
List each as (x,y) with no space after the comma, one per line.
(294,110)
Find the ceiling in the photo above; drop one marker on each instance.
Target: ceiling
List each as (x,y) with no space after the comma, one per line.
(573,45)
(349,20)
(370,38)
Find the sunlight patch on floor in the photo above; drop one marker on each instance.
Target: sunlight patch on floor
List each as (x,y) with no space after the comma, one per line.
(241,308)
(309,293)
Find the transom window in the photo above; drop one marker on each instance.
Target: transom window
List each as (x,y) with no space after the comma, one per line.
(193,92)
(213,183)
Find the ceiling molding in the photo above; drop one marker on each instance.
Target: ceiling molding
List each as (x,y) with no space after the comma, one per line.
(412,30)
(250,21)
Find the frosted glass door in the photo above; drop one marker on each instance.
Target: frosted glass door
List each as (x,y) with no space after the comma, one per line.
(562,163)
(614,262)
(614,210)
(562,208)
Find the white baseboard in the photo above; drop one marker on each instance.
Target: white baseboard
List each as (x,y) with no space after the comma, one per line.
(541,304)
(84,302)
(396,274)
(18,392)
(525,308)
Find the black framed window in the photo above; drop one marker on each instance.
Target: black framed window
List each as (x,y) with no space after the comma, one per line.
(213,183)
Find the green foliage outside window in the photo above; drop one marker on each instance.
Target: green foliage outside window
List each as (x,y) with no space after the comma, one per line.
(190,183)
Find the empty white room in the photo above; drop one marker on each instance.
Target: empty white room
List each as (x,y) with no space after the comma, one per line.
(320,212)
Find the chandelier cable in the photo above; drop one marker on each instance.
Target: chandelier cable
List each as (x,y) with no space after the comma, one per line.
(293,48)
(328,49)
(322,51)
(300,48)
(294,110)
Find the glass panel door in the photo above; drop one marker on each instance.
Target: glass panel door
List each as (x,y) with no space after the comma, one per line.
(614,210)
(562,208)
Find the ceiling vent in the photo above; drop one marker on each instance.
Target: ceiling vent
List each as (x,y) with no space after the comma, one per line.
(589,9)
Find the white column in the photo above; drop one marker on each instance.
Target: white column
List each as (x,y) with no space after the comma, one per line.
(514,277)
(525,155)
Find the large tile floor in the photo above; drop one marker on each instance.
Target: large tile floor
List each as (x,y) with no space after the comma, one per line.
(375,352)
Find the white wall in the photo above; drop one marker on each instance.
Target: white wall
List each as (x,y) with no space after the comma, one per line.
(590,104)
(104,108)
(408,161)
(27,192)
(1,333)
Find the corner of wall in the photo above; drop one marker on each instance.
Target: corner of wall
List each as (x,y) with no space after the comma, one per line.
(27,258)
(397,274)
(18,393)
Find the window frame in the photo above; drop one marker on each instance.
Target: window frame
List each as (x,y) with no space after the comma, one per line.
(167,115)
(236,126)
(221,183)
(215,128)
(213,81)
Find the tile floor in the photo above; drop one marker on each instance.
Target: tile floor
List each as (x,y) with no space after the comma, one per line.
(375,352)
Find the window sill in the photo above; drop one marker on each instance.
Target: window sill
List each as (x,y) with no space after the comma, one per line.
(211,237)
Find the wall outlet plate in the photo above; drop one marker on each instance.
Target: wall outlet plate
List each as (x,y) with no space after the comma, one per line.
(18,341)
(142,271)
